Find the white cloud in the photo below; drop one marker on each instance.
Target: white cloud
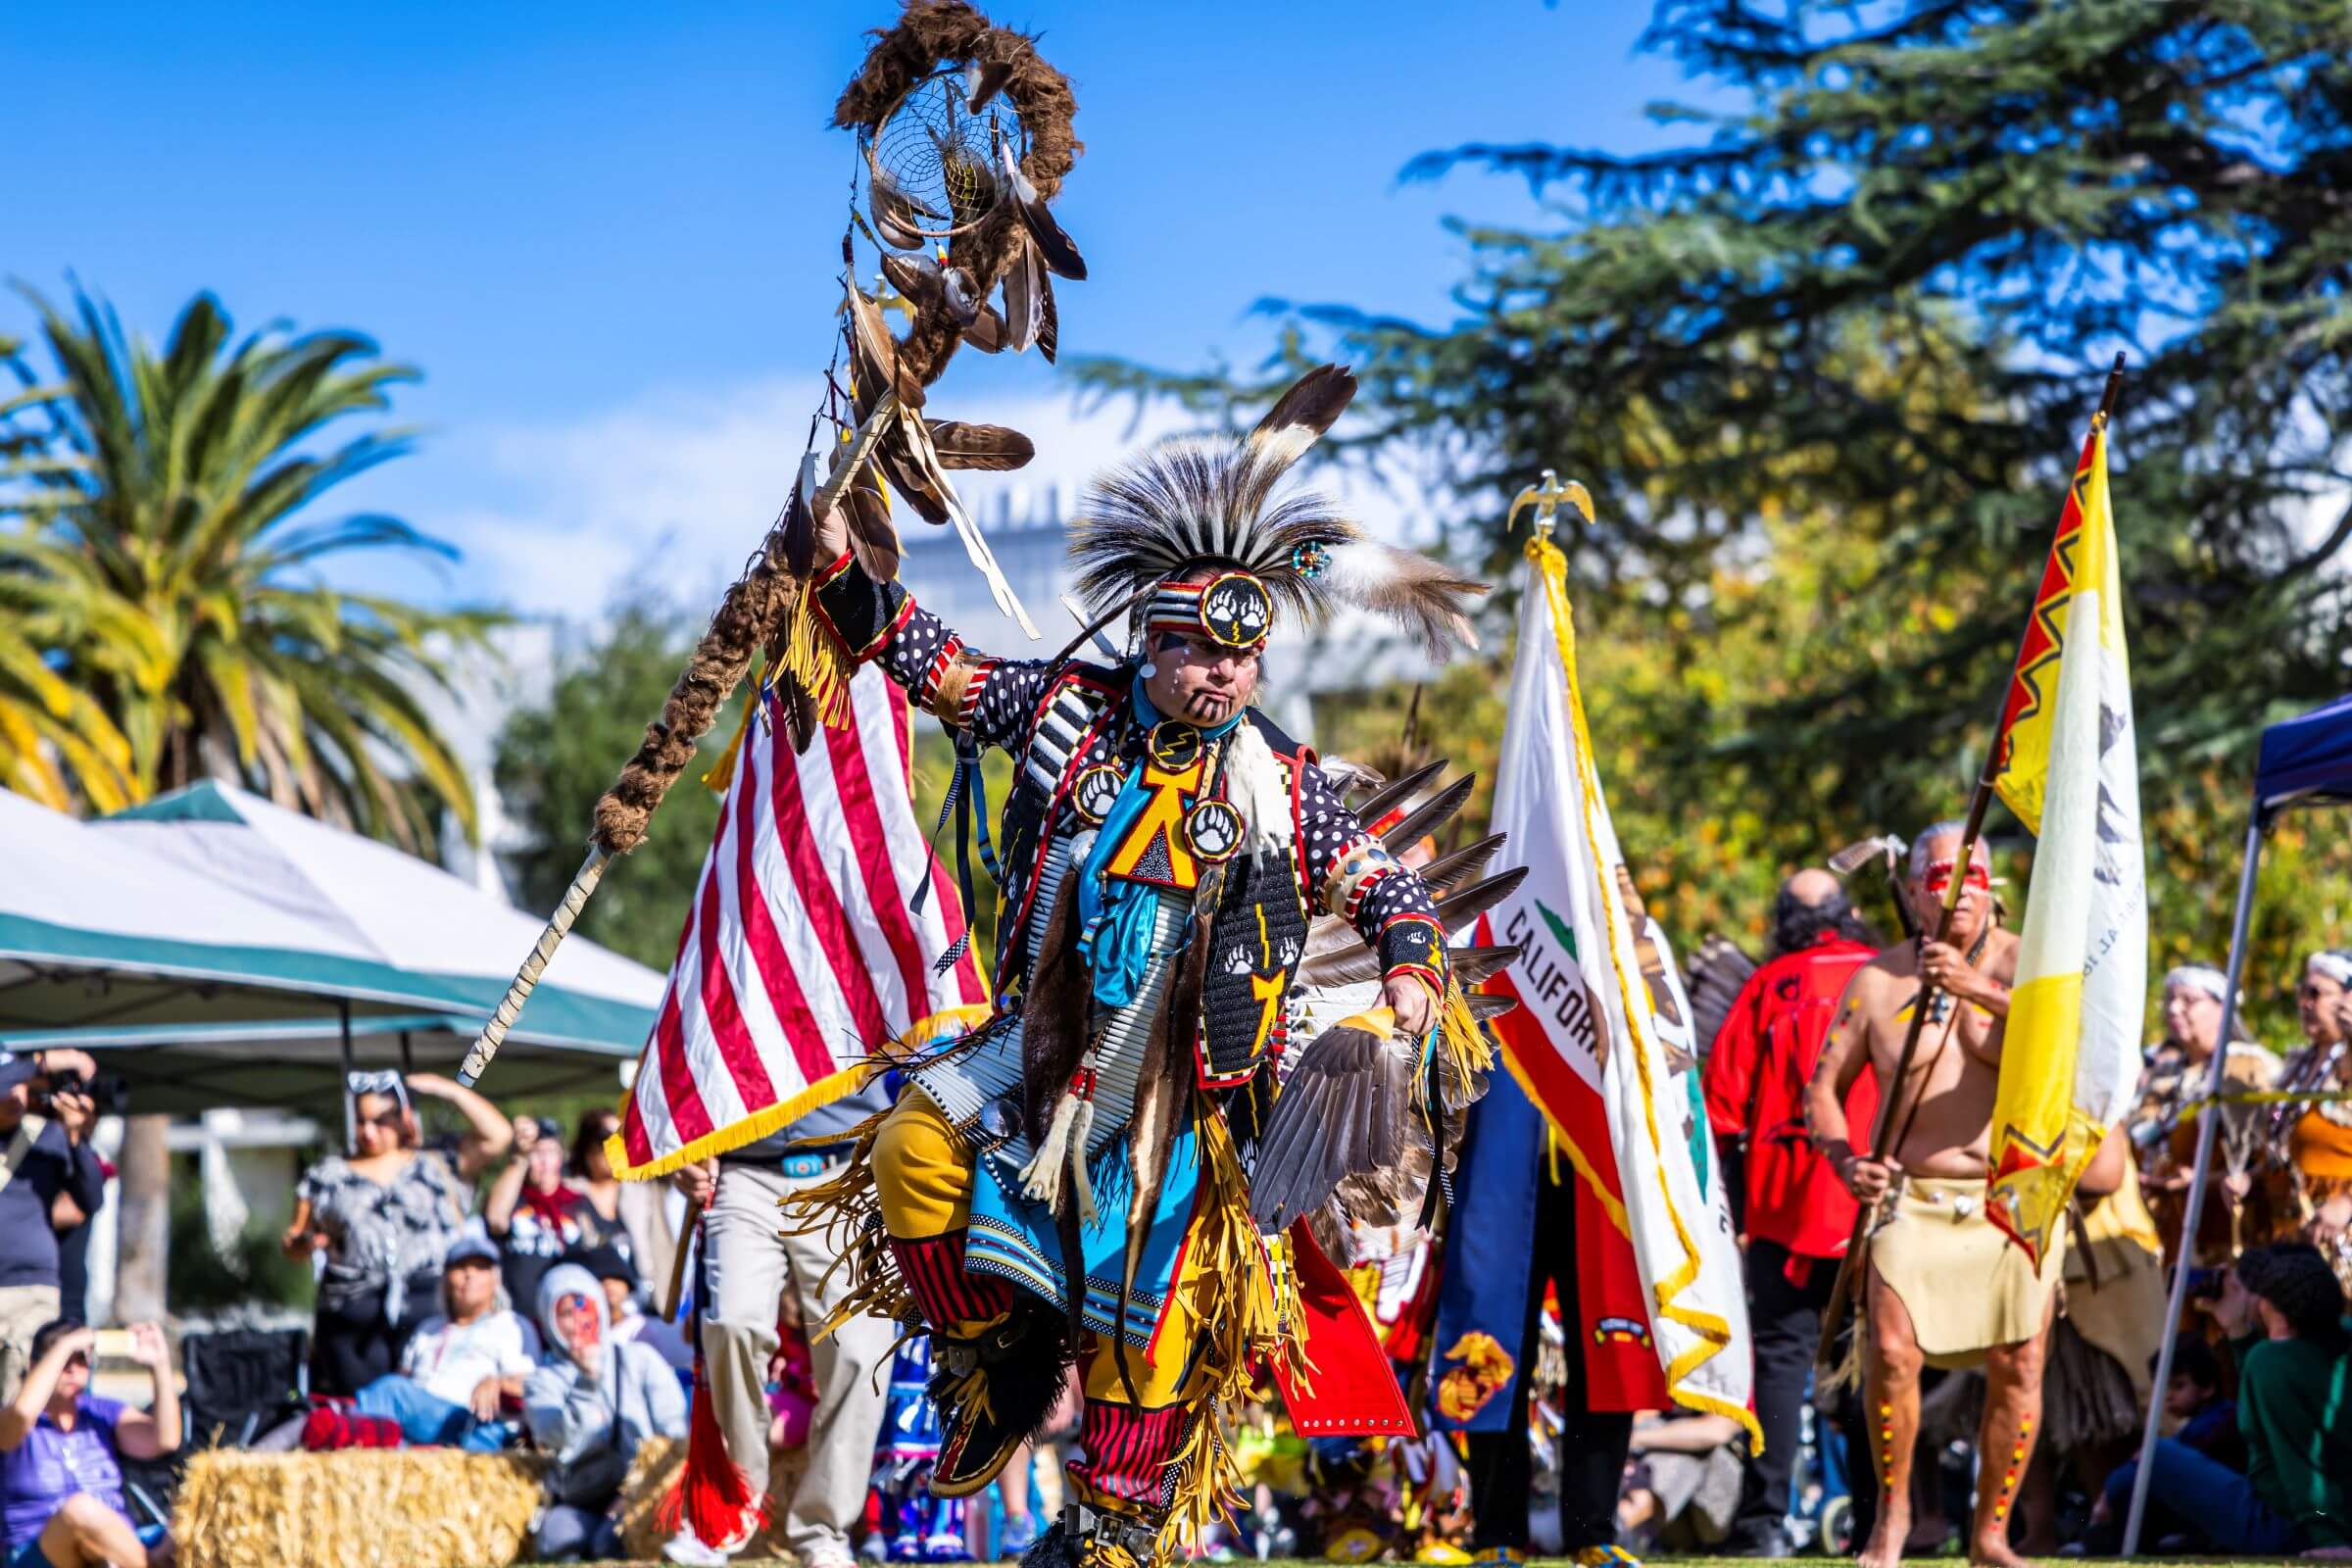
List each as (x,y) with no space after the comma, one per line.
(673,490)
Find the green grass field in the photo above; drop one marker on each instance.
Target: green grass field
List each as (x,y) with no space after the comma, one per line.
(1669,1562)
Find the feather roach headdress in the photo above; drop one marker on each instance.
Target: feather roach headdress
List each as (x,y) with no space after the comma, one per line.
(1192,537)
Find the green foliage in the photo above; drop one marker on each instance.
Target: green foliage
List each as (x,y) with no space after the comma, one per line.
(161,618)
(1826,371)
(202,1279)
(555,760)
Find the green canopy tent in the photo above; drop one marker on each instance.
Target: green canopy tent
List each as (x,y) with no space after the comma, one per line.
(217,949)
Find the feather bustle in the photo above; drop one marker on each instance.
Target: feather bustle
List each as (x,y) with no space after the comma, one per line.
(1450,871)
(1456,910)
(1429,816)
(1428,598)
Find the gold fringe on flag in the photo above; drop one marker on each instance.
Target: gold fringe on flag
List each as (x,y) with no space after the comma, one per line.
(722,772)
(1714,1332)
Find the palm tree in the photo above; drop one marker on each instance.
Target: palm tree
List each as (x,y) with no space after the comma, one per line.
(161,617)
(57,742)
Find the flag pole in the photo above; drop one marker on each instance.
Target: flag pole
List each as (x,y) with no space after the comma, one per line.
(1883,1131)
(2208,1123)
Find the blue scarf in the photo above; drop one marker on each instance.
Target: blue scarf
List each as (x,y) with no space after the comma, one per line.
(1116,915)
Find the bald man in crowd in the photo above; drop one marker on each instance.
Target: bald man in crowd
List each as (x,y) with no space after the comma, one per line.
(1798,1213)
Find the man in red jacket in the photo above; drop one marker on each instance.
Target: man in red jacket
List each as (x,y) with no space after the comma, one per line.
(1798,1213)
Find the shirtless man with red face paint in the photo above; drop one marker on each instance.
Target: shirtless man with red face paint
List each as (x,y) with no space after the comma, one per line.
(1943,1286)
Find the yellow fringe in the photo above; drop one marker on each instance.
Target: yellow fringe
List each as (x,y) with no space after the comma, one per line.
(923,1032)
(1208,1488)
(723,1140)
(818,663)
(1714,1332)
(1246,1308)
(1467,1050)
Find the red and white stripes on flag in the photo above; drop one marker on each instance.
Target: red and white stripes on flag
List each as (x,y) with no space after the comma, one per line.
(802,952)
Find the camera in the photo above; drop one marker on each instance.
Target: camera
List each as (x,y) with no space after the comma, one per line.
(2205,1283)
(106,1091)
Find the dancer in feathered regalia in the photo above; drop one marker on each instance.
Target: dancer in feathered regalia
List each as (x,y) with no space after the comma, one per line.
(1105,1175)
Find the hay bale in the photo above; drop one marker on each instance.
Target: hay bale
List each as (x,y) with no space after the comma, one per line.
(356,1508)
(652,1471)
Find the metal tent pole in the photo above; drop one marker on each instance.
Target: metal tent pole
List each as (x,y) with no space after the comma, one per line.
(351,1125)
(2209,1120)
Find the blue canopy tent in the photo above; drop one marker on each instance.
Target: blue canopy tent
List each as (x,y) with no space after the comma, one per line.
(2305,760)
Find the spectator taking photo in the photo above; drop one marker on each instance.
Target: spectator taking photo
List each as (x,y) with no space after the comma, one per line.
(61,1453)
(385,1217)
(50,1180)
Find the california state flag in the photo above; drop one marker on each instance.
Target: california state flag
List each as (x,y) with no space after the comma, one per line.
(2068,766)
(1589,1044)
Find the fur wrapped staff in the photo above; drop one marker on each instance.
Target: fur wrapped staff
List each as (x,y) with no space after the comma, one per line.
(1008,233)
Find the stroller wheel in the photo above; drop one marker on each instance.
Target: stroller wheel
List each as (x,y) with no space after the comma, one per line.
(1838,1527)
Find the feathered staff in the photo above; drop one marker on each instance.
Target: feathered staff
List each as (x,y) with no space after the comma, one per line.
(963,136)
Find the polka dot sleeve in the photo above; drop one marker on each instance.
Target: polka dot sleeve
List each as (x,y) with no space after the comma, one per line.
(1352,875)
(880,621)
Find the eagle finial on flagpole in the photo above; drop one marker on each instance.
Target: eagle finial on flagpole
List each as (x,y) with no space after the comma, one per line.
(1545,498)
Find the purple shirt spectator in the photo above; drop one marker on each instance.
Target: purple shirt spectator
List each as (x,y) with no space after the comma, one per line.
(53,1464)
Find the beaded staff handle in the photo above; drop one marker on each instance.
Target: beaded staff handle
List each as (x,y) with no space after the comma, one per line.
(526,979)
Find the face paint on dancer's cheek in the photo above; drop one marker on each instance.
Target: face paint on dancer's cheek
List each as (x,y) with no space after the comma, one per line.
(1939,879)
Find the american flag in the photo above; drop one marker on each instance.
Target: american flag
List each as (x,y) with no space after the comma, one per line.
(802,952)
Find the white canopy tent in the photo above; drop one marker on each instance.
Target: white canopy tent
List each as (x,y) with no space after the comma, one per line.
(220,950)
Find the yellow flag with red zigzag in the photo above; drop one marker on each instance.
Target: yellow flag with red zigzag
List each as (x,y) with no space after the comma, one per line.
(2069,766)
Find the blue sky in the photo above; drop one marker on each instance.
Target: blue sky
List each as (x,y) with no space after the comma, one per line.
(608,233)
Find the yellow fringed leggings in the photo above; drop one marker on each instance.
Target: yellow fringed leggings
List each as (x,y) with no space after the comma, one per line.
(923,1179)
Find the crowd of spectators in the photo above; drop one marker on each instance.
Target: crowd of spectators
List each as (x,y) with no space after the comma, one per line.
(515,1318)
(496,1290)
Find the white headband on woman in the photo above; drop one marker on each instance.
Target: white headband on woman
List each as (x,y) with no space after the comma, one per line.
(2199,977)
(2333,962)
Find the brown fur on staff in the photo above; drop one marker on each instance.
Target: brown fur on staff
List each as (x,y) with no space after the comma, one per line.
(932,32)
(746,619)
